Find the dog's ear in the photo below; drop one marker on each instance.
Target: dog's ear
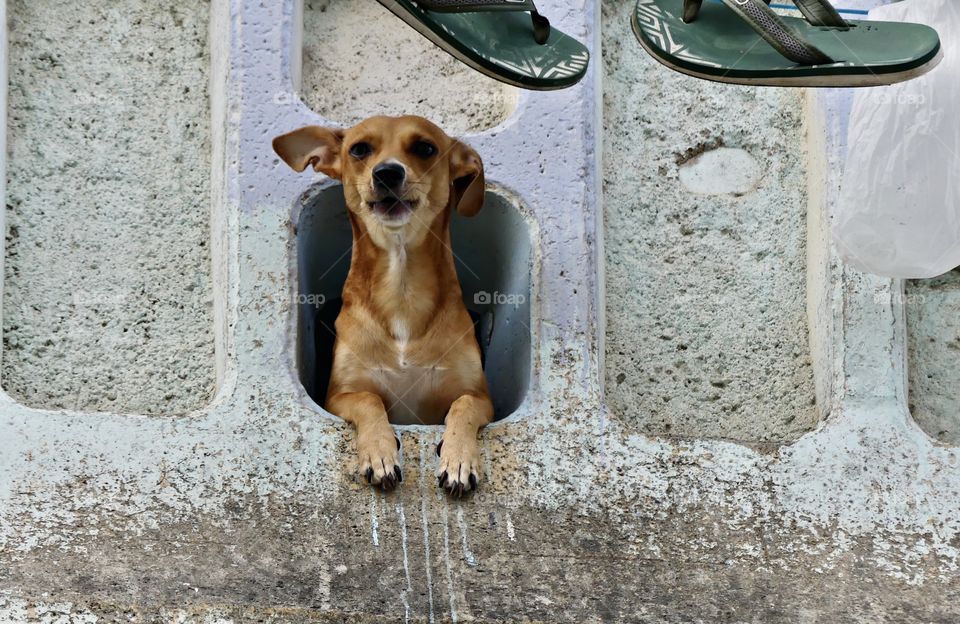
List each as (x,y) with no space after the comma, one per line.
(467,180)
(312,145)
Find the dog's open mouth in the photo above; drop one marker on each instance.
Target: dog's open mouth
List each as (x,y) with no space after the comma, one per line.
(393,209)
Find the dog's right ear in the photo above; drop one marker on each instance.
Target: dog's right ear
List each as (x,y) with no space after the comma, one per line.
(312,145)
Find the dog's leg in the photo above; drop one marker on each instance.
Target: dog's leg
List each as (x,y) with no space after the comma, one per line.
(377,445)
(459,451)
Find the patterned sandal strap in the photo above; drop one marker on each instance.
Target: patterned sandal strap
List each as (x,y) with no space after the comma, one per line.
(817,12)
(778,34)
(691,9)
(541,25)
(821,13)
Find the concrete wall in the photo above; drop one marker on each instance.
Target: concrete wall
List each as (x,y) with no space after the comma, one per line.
(352,71)
(249,509)
(706,218)
(933,326)
(108,301)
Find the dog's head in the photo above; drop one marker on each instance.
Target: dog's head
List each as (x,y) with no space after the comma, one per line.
(397,172)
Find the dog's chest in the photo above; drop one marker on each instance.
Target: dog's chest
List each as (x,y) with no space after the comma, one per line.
(410,389)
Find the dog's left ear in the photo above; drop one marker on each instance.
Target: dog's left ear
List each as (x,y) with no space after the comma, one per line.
(311,146)
(467,180)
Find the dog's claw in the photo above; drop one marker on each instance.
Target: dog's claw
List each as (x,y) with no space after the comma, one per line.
(379,460)
(459,467)
(398,444)
(396,471)
(455,488)
(389,481)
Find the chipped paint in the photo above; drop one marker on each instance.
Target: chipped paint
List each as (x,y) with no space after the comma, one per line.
(374,521)
(462,525)
(451,593)
(425,523)
(404,593)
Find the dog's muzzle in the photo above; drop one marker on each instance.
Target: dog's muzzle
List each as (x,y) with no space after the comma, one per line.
(389,181)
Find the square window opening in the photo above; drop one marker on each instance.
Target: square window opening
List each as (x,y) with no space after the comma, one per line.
(493,256)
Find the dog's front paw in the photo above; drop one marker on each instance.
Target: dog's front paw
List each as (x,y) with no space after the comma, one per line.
(459,470)
(379,457)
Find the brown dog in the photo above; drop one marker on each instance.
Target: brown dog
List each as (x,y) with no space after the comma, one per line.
(405,350)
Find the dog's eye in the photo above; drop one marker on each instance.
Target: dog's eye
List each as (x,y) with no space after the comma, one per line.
(361,150)
(423,149)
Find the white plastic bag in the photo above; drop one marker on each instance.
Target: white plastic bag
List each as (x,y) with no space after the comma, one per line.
(899,210)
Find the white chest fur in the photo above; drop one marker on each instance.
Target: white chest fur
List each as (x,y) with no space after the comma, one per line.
(408,388)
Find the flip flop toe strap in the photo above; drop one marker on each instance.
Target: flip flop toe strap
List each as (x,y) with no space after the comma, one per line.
(817,12)
(691,8)
(821,13)
(541,25)
(768,25)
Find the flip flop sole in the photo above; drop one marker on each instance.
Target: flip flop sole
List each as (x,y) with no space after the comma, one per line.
(500,45)
(721,47)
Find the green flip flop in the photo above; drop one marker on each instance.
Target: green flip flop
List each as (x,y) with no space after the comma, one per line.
(505,39)
(745,42)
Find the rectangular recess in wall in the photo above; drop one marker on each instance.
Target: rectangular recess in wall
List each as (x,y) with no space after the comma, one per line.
(493,256)
(705,194)
(933,343)
(357,60)
(108,300)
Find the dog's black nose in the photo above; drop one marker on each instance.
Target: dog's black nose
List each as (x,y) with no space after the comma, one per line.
(389,176)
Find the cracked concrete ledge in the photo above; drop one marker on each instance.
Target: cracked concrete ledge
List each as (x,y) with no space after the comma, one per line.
(248,510)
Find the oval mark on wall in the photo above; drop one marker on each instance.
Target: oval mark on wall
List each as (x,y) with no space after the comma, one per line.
(721,171)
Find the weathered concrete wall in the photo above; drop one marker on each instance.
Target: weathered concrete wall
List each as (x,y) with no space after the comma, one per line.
(933,326)
(357,61)
(705,195)
(250,510)
(107,285)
